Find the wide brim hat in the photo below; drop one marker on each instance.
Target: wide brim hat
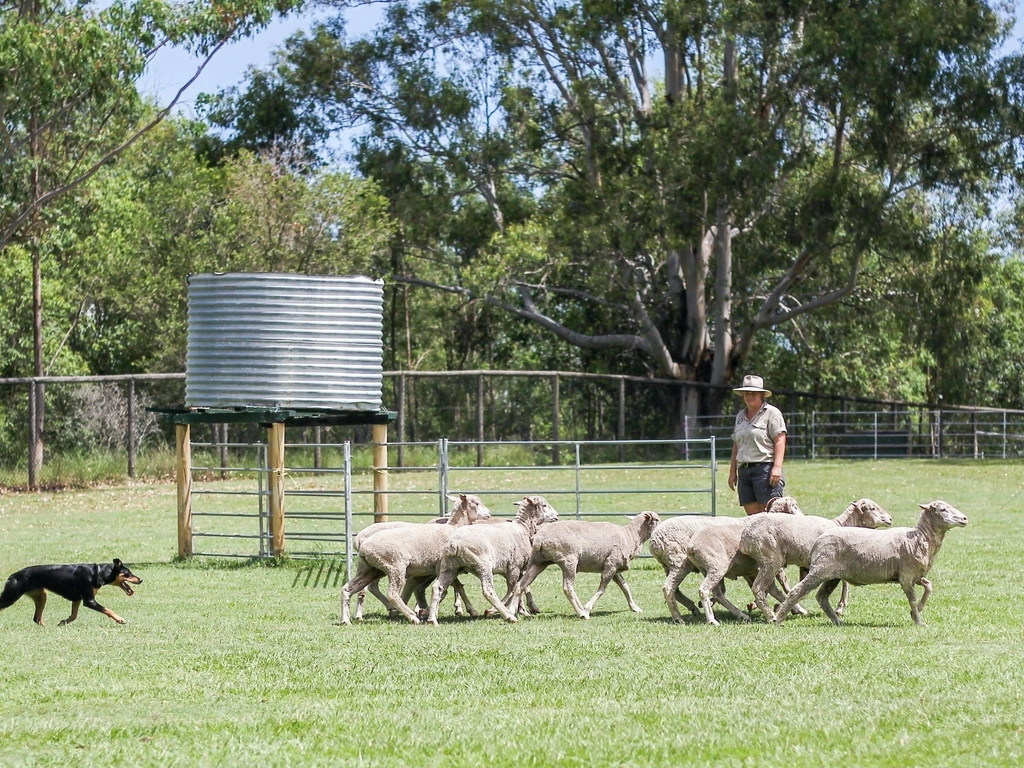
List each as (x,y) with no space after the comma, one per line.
(753,384)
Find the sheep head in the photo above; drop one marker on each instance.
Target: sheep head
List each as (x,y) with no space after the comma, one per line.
(867,514)
(785,505)
(943,516)
(468,508)
(646,522)
(536,510)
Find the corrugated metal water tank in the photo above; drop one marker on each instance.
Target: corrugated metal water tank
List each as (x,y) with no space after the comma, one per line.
(286,341)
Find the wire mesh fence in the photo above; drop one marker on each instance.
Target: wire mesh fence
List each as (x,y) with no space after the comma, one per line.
(67,430)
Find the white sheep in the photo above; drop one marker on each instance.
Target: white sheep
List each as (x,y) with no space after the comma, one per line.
(589,547)
(775,541)
(715,552)
(485,550)
(672,537)
(412,585)
(861,556)
(406,552)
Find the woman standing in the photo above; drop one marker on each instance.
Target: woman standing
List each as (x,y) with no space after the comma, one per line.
(758,448)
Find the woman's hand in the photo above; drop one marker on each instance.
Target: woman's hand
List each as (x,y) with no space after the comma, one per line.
(775,476)
(732,478)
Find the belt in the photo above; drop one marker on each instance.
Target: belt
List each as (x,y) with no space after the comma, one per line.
(745,464)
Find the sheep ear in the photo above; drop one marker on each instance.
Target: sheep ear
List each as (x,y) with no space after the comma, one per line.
(923,506)
(462,496)
(453,499)
(630,517)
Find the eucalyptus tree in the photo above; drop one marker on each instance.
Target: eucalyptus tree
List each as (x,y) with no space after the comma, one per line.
(69,103)
(669,178)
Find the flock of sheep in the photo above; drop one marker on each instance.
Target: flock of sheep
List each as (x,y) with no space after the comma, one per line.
(857,547)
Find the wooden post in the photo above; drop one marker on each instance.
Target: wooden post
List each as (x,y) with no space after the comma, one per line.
(479,420)
(183,465)
(554,419)
(275,483)
(380,473)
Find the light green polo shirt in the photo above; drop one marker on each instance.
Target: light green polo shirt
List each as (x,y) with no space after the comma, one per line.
(755,439)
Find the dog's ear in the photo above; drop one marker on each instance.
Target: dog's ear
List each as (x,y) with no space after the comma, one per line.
(117,564)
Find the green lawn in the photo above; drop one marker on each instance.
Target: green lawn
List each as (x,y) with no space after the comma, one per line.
(226,663)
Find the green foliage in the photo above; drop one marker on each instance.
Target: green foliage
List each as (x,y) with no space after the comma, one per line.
(537,167)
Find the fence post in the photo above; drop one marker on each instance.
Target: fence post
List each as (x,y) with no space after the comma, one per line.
(554,420)
(401,420)
(939,421)
(621,432)
(480,420)
(442,476)
(318,438)
(130,437)
(577,446)
(1004,434)
(380,473)
(183,467)
(714,474)
(275,481)
(32,424)
(813,415)
(974,428)
(876,434)
(348,510)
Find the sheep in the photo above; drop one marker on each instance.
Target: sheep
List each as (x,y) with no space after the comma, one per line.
(589,547)
(405,552)
(775,541)
(669,542)
(861,556)
(413,585)
(486,550)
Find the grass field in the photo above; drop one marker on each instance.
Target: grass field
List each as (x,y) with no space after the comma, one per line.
(227,663)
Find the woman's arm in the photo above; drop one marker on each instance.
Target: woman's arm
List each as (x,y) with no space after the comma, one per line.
(780,454)
(732,466)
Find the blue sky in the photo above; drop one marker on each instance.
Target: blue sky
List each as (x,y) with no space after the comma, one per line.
(172,68)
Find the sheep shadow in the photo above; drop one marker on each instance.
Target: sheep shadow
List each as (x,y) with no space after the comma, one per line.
(325,575)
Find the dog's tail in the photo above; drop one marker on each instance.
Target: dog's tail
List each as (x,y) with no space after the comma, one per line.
(12,591)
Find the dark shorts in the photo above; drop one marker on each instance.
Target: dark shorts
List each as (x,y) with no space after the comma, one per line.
(752,483)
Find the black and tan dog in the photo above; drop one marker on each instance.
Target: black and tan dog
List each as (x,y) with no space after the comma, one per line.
(77,583)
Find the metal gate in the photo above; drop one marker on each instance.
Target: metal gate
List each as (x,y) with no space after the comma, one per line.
(328,503)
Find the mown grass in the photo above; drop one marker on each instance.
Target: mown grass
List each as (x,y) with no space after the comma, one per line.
(231,663)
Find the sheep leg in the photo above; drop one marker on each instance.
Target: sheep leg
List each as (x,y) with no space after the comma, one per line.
(569,588)
(719,594)
(765,579)
(843,599)
(530,603)
(462,604)
(532,572)
(445,578)
(824,591)
(396,582)
(806,584)
(487,584)
(618,579)
(915,610)
(364,576)
(927,586)
(672,594)
(606,576)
